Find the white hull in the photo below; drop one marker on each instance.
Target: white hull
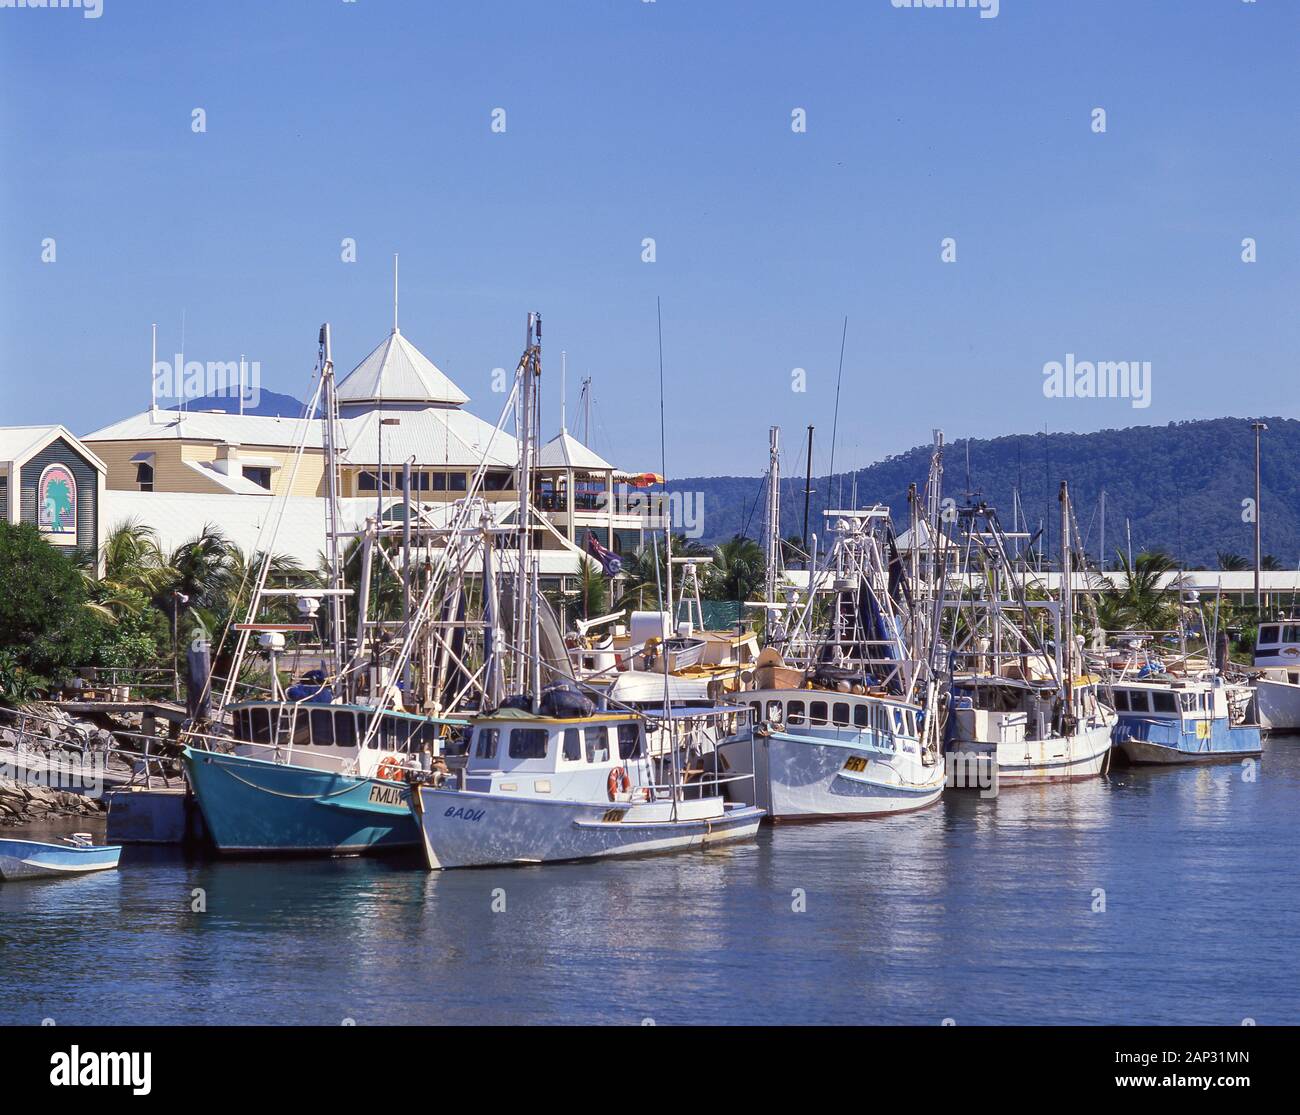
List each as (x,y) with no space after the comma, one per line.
(976,764)
(1277,705)
(802,777)
(464,829)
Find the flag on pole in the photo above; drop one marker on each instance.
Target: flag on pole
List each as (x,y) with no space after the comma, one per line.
(610,562)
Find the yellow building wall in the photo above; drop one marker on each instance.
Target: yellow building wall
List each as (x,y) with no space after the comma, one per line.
(171,474)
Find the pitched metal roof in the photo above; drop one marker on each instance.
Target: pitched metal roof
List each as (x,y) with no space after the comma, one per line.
(433,435)
(193,425)
(18,443)
(566,451)
(397,371)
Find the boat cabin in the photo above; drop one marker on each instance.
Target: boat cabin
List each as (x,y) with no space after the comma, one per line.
(1153,700)
(329,737)
(874,721)
(568,758)
(1278,644)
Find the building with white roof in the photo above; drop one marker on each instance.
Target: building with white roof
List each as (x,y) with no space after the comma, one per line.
(51,480)
(396,407)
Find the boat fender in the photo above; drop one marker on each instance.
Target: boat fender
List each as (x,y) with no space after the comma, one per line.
(618,782)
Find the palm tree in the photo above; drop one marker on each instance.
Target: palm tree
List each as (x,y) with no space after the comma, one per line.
(737,569)
(1142,601)
(642,576)
(1229,560)
(593,589)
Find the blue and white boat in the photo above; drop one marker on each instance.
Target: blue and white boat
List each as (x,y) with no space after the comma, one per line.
(77,855)
(334,785)
(1170,720)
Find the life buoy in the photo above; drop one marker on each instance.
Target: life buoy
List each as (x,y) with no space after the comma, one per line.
(390,769)
(618,783)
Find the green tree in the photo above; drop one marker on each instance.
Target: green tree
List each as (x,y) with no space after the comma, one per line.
(42,600)
(738,569)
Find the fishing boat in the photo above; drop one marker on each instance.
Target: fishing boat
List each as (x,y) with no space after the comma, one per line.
(1019,711)
(78,854)
(839,707)
(1277,684)
(1169,720)
(547,777)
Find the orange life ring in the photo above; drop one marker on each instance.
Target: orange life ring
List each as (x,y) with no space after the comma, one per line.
(390,769)
(618,783)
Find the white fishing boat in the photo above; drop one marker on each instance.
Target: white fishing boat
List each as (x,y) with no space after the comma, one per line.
(839,712)
(547,777)
(1018,712)
(1277,686)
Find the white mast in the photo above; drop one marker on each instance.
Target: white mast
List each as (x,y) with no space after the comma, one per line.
(329,417)
(773,526)
(153,371)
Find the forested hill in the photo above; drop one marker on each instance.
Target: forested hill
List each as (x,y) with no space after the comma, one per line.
(1181,487)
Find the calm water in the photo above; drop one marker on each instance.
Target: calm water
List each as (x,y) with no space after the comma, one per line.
(979,911)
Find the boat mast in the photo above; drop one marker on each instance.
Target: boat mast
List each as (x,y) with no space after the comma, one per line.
(530,371)
(773,513)
(1067,609)
(807,492)
(329,420)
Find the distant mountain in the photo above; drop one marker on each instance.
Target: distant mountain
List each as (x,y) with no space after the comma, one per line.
(1181,487)
(270,404)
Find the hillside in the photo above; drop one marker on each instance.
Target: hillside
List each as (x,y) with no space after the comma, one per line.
(1181,486)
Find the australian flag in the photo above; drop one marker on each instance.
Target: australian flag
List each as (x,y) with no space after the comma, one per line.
(610,562)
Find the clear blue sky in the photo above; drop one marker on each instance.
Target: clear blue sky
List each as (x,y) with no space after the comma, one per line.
(671,120)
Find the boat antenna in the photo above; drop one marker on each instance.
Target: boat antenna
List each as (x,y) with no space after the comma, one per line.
(835,422)
(807,493)
(564,381)
(668,558)
(395,292)
(153,372)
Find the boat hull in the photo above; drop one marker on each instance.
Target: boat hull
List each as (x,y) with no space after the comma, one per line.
(252,806)
(981,765)
(809,778)
(1146,742)
(30,859)
(461,828)
(1277,705)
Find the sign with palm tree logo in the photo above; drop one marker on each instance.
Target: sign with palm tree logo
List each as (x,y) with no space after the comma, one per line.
(56,503)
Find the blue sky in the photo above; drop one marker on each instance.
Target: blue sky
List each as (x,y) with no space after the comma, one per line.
(672,120)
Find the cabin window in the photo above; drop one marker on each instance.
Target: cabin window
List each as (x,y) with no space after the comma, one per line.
(1268,636)
(1140,699)
(597,745)
(572,745)
(795,712)
(757,706)
(1291,634)
(817,712)
(1121,700)
(1163,702)
(774,711)
(861,716)
(910,717)
(485,743)
(322,727)
(629,741)
(261,725)
(840,714)
(898,721)
(528,743)
(1294,678)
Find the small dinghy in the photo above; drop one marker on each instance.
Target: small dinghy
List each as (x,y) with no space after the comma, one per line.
(30,859)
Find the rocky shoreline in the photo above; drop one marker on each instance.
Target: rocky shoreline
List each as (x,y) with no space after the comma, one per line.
(22,803)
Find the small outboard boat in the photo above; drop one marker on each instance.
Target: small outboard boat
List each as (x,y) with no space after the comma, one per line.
(77,855)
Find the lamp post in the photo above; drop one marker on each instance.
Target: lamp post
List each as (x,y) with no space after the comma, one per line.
(1258,428)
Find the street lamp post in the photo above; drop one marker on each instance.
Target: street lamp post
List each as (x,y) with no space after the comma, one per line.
(1258,428)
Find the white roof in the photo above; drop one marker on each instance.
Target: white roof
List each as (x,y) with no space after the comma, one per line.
(397,371)
(17,443)
(566,451)
(434,436)
(232,482)
(195,425)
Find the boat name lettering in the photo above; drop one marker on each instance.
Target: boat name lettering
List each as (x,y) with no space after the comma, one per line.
(464,814)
